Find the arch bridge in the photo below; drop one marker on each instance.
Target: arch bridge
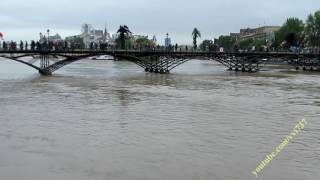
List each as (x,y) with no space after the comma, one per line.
(163,61)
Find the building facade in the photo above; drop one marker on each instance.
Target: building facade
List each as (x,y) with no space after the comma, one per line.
(91,35)
(266,32)
(55,38)
(167,41)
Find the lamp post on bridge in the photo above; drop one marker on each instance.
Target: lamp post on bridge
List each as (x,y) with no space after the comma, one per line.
(48,32)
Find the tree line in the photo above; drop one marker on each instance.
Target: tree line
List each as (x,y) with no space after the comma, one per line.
(293,35)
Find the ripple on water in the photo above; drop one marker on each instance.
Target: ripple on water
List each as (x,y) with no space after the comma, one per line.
(102,120)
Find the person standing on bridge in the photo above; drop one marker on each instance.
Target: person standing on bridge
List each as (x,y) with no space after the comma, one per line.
(21,46)
(4,45)
(38,46)
(26,46)
(1,36)
(33,45)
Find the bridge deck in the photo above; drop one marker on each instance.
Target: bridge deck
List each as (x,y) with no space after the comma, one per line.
(189,53)
(164,61)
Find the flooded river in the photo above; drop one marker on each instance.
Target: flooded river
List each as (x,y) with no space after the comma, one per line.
(102,120)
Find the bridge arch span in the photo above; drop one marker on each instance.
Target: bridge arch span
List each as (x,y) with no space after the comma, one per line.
(41,71)
(45,69)
(159,61)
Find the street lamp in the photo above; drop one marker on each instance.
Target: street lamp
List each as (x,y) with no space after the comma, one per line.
(48,32)
(166,43)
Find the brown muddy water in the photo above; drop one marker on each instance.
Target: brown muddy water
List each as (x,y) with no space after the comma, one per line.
(104,120)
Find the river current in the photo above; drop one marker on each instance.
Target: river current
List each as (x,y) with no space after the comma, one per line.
(102,120)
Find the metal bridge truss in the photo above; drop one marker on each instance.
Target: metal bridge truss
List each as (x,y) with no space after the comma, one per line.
(164,62)
(244,64)
(49,63)
(307,64)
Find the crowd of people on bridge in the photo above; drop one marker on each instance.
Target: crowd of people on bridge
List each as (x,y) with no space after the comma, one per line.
(44,46)
(65,46)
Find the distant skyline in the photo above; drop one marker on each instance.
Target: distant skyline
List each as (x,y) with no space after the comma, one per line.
(20,20)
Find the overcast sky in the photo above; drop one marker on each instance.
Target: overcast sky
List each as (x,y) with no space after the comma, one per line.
(24,19)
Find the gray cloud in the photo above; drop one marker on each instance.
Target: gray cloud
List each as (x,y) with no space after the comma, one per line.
(25,19)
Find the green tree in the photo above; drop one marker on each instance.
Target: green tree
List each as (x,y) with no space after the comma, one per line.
(312,29)
(290,34)
(129,43)
(76,41)
(195,35)
(260,44)
(143,42)
(245,44)
(123,34)
(206,45)
(227,42)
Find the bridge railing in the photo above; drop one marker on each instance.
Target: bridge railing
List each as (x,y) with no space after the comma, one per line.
(155,52)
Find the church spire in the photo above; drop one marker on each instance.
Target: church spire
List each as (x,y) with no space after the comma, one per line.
(105,33)
(105,30)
